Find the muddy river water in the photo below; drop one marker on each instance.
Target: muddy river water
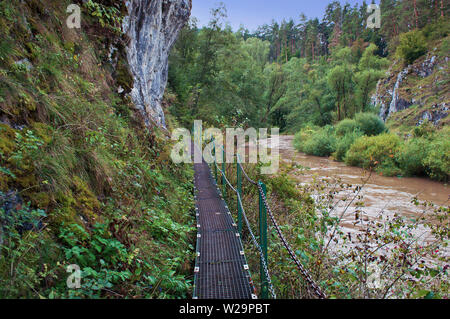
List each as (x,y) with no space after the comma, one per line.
(386,195)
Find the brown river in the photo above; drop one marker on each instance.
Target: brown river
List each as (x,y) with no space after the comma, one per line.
(381,195)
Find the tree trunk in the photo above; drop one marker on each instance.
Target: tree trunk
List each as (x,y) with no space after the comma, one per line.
(416,13)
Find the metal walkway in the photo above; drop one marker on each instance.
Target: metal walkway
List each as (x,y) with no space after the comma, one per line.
(221,270)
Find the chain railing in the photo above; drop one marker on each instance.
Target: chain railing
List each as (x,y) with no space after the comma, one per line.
(263,257)
(305,273)
(264,210)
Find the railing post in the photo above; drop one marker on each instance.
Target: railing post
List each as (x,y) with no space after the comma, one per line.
(239,189)
(263,241)
(214,163)
(224,186)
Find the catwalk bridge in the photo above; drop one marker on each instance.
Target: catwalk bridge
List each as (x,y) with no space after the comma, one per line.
(221,268)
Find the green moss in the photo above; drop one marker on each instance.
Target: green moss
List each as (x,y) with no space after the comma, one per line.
(124,77)
(27,102)
(25,179)
(86,202)
(65,211)
(78,202)
(7,140)
(4,181)
(44,131)
(75,149)
(40,200)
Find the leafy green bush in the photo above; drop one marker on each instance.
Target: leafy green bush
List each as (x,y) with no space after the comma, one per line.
(108,16)
(321,142)
(23,247)
(436,30)
(344,143)
(437,161)
(411,46)
(412,155)
(375,151)
(303,135)
(370,124)
(426,129)
(346,126)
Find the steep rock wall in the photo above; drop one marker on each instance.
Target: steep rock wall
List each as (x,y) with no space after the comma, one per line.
(152,27)
(419,90)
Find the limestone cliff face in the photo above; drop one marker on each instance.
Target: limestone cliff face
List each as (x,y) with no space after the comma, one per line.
(417,92)
(152,27)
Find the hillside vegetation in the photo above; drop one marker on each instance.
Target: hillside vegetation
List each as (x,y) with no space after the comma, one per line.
(82,180)
(314,77)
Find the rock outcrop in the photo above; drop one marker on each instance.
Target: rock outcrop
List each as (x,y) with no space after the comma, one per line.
(152,27)
(415,85)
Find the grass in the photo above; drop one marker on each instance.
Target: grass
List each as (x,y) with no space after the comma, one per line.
(76,150)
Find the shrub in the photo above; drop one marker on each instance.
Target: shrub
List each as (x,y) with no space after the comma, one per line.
(345,127)
(437,161)
(426,129)
(375,151)
(303,135)
(321,142)
(412,155)
(437,30)
(344,143)
(411,46)
(370,124)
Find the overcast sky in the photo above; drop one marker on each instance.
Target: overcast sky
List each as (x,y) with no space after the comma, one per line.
(253,13)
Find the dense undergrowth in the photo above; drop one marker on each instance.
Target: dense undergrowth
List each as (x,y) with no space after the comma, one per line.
(82,180)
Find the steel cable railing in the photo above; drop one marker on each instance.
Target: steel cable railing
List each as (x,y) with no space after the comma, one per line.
(304,272)
(252,235)
(315,287)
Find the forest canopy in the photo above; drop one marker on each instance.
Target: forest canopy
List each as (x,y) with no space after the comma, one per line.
(298,71)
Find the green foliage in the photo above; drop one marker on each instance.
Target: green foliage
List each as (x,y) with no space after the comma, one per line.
(107,16)
(426,129)
(437,161)
(412,46)
(437,30)
(114,202)
(303,135)
(27,145)
(412,155)
(319,143)
(321,241)
(346,126)
(22,244)
(370,124)
(344,142)
(375,152)
(340,79)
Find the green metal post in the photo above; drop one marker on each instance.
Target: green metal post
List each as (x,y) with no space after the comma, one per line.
(239,189)
(214,163)
(224,186)
(263,241)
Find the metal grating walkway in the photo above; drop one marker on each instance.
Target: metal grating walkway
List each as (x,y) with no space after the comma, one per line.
(221,270)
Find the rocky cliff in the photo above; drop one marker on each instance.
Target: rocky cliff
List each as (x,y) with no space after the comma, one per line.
(412,94)
(152,27)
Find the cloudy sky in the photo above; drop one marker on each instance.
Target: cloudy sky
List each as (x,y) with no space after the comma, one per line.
(253,13)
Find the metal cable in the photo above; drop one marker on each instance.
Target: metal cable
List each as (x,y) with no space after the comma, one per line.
(305,273)
(315,287)
(238,161)
(255,241)
(302,269)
